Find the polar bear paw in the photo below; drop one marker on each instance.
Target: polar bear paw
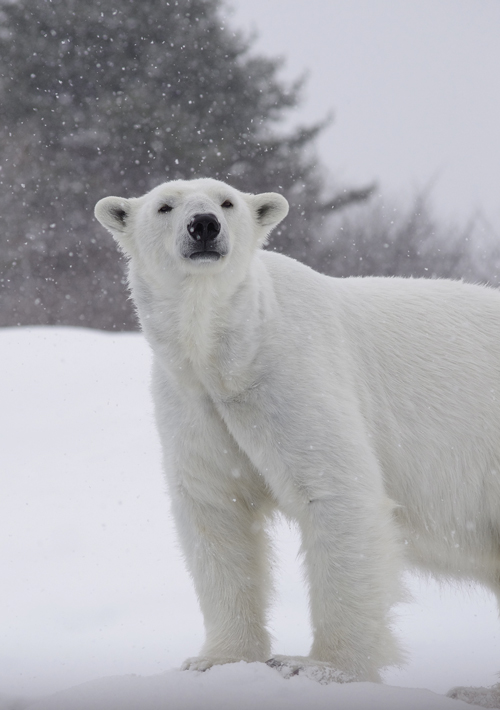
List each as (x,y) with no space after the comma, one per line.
(319,671)
(203,663)
(484,697)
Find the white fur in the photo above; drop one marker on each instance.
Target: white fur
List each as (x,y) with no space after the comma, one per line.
(368,410)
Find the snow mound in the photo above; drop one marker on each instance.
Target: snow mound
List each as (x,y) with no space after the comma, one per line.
(245,686)
(485,697)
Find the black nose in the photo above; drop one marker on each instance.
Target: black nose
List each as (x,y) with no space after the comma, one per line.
(204,227)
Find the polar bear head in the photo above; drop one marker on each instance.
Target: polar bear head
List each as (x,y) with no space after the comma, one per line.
(192,226)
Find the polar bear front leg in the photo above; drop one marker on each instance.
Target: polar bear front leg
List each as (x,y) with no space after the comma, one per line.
(219,503)
(352,562)
(226,549)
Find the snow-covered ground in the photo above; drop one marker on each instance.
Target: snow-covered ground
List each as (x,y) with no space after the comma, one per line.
(94,589)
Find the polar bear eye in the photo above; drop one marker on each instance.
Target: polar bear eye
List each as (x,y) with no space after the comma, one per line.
(227,203)
(165,208)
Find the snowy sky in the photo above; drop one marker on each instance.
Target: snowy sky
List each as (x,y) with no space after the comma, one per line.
(414,87)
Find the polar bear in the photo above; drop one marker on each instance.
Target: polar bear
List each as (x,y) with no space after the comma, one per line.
(365,409)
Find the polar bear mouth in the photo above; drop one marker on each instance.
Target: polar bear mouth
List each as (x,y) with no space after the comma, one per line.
(205,256)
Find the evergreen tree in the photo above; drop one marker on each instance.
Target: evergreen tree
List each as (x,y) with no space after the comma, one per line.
(102,97)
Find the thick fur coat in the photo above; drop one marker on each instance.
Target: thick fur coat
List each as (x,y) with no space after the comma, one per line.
(367,410)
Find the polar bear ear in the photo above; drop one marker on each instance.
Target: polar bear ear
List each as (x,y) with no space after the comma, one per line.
(269,208)
(114,214)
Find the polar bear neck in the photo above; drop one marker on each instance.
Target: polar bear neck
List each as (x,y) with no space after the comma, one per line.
(200,316)
(207,327)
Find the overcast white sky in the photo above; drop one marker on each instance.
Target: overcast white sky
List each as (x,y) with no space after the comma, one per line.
(414,86)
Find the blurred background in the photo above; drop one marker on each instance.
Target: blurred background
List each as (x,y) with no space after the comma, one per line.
(378,120)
